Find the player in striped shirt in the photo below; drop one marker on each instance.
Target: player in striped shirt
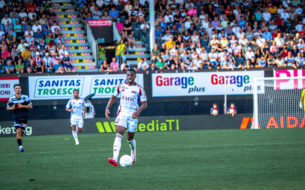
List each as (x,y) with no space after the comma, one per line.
(131,94)
(19,104)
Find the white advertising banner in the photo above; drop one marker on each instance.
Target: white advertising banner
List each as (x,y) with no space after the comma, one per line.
(61,87)
(7,87)
(289,84)
(204,84)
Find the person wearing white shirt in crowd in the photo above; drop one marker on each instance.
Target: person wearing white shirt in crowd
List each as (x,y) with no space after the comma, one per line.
(285,15)
(54,27)
(299,26)
(197,62)
(260,41)
(2,4)
(280,62)
(243,40)
(142,65)
(32,15)
(6,19)
(250,54)
(124,66)
(266,15)
(29,31)
(279,40)
(36,26)
(99,3)
(23,13)
(63,51)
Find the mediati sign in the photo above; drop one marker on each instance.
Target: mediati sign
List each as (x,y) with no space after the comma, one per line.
(204,84)
(61,87)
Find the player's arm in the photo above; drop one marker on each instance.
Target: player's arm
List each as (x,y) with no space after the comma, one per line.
(110,103)
(10,105)
(69,107)
(85,111)
(138,112)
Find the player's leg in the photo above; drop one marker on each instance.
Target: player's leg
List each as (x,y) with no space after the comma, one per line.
(132,145)
(117,145)
(132,127)
(80,125)
(74,132)
(19,135)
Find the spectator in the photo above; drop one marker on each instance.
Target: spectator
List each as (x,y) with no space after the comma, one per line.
(114,13)
(31,68)
(58,67)
(232,110)
(105,66)
(47,62)
(124,66)
(39,63)
(114,65)
(142,65)
(19,67)
(214,110)
(120,52)
(9,68)
(54,27)
(101,55)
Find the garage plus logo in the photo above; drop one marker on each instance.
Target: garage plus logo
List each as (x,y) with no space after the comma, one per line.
(183,82)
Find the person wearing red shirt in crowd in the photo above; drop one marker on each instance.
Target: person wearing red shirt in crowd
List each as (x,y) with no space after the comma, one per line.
(31,7)
(5,54)
(279,21)
(285,52)
(302,33)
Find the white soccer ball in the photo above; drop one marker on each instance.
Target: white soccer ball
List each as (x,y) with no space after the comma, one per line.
(126,161)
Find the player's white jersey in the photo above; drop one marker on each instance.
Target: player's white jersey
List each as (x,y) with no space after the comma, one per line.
(130,97)
(77,107)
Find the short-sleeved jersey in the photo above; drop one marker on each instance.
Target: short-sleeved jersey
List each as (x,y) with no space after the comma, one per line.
(130,96)
(77,107)
(19,114)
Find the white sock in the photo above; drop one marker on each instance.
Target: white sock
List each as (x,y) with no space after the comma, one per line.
(132,145)
(117,146)
(74,133)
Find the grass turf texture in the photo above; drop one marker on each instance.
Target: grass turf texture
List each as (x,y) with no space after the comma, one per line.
(207,159)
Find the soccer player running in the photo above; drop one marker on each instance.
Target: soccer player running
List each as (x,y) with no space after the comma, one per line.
(78,110)
(20,104)
(127,115)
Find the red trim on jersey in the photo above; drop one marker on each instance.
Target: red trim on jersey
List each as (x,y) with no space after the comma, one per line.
(140,93)
(118,111)
(119,88)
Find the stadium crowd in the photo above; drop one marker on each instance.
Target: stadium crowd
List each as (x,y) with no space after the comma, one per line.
(213,34)
(31,41)
(190,35)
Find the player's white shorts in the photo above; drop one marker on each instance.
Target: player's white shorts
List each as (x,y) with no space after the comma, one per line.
(127,121)
(78,122)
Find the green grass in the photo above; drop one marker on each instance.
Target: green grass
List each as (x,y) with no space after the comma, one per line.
(207,159)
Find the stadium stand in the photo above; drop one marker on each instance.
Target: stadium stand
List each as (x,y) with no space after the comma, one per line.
(190,35)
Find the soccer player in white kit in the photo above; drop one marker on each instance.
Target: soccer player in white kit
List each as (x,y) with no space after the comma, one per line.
(77,108)
(128,113)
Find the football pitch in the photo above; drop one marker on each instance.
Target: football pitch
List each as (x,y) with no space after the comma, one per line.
(206,159)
